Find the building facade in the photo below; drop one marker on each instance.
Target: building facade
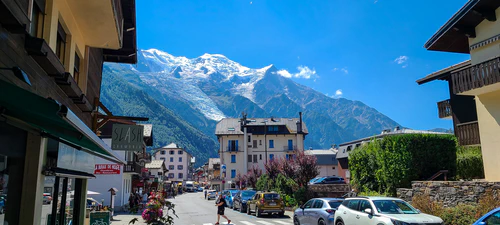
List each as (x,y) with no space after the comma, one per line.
(474,85)
(177,160)
(345,149)
(246,143)
(326,161)
(51,58)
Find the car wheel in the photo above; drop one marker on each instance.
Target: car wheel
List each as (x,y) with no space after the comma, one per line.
(340,222)
(241,208)
(321,222)
(248,210)
(281,214)
(257,212)
(296,221)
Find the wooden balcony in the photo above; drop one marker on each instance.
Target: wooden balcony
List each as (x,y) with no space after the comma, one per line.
(468,133)
(444,109)
(467,80)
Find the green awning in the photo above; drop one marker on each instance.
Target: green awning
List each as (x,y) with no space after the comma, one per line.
(52,119)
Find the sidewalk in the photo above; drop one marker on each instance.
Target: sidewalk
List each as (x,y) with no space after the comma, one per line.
(125,218)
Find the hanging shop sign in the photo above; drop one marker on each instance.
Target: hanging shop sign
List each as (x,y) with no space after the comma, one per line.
(106,169)
(127,137)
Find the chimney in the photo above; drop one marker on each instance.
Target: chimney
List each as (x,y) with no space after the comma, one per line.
(299,129)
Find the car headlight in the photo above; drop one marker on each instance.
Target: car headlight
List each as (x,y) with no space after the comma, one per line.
(397,222)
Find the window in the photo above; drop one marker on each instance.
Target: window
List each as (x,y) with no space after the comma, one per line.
(255,158)
(260,157)
(163,159)
(272,128)
(76,69)
(254,144)
(179,152)
(36,25)
(233,158)
(171,175)
(180,167)
(232,146)
(163,152)
(171,159)
(364,204)
(353,204)
(271,156)
(249,139)
(171,167)
(181,175)
(171,152)
(318,204)
(250,158)
(308,204)
(271,143)
(260,142)
(180,159)
(160,173)
(61,43)
(233,173)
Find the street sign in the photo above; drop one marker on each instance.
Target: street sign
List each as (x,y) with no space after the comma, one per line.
(223,168)
(106,169)
(127,137)
(99,218)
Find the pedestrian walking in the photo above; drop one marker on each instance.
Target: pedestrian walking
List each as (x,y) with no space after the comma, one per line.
(221,206)
(205,194)
(131,201)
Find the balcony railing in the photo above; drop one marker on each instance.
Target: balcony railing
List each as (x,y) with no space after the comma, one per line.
(233,149)
(468,133)
(290,148)
(132,167)
(444,109)
(476,76)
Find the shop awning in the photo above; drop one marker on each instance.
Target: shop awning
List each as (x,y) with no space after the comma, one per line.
(52,119)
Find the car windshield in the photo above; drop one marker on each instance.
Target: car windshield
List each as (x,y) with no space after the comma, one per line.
(394,207)
(233,193)
(319,179)
(247,194)
(189,185)
(271,196)
(334,204)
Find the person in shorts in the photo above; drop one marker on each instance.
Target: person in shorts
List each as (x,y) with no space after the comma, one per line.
(221,206)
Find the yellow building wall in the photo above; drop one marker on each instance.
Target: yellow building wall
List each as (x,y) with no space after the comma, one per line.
(484,31)
(488,113)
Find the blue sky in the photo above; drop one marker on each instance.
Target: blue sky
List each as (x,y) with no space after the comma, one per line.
(365,50)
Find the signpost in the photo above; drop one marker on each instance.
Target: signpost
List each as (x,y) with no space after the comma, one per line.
(127,137)
(107,169)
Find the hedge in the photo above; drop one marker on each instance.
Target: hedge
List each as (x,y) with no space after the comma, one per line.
(470,163)
(383,165)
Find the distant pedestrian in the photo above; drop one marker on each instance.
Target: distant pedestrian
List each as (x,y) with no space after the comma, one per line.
(131,201)
(205,194)
(221,205)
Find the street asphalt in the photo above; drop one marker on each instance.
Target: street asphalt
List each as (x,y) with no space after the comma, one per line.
(193,209)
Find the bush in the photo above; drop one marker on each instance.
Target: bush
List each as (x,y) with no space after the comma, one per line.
(300,196)
(469,163)
(489,200)
(459,215)
(394,161)
(372,193)
(284,185)
(289,201)
(425,204)
(263,183)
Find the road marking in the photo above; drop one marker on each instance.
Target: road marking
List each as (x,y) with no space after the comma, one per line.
(281,222)
(247,223)
(265,223)
(207,224)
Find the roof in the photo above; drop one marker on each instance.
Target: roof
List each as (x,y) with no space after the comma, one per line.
(345,148)
(330,151)
(212,161)
(169,146)
(155,164)
(454,35)
(444,73)
(128,52)
(232,125)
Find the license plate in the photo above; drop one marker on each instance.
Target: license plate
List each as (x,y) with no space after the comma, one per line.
(272,203)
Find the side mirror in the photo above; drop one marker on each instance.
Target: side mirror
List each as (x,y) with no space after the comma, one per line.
(369,211)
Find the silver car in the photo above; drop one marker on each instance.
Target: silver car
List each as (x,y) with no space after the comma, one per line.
(319,211)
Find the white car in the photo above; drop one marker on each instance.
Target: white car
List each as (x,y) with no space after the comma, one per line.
(381,211)
(211,194)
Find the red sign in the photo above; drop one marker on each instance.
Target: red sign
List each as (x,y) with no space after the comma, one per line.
(107,169)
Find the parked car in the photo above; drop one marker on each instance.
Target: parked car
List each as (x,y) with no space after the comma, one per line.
(229,196)
(47,198)
(241,198)
(490,218)
(381,211)
(200,189)
(319,211)
(314,180)
(211,194)
(266,202)
(330,180)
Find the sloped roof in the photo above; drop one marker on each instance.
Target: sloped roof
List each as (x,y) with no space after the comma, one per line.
(444,73)
(155,164)
(232,125)
(330,151)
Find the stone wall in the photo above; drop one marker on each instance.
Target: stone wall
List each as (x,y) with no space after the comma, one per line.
(450,193)
(329,190)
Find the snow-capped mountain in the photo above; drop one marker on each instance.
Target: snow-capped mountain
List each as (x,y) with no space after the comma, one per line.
(210,87)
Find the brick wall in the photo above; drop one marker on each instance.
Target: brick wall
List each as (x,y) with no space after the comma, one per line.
(329,190)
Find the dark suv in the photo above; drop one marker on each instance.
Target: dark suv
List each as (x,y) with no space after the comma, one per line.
(240,200)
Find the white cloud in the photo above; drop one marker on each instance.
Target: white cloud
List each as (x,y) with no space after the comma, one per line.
(285,73)
(303,72)
(251,3)
(402,60)
(375,2)
(338,93)
(343,70)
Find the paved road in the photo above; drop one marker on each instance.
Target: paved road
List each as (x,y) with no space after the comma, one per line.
(193,209)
